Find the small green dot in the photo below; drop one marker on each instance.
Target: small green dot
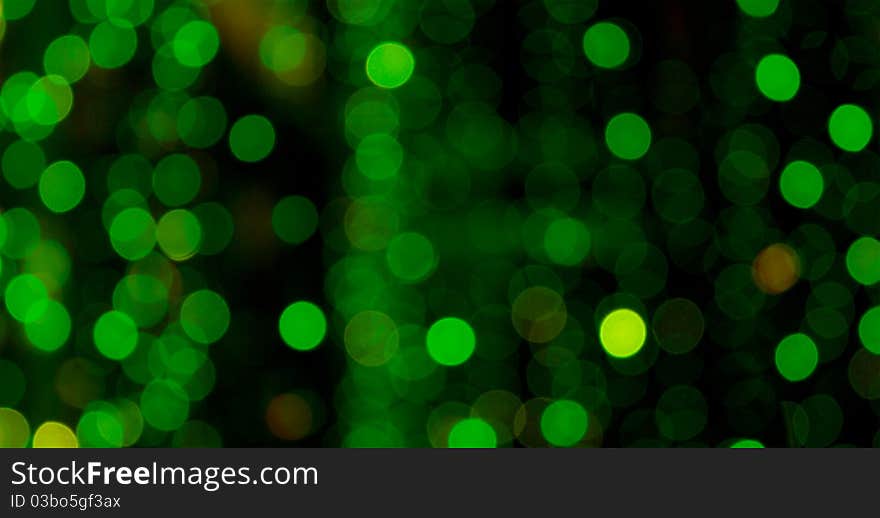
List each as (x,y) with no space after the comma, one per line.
(850,128)
(115,335)
(472,433)
(801,184)
(564,423)
(869,330)
(294,219)
(451,341)
(863,260)
(628,136)
(302,326)
(62,186)
(196,43)
(796,357)
(778,77)
(252,138)
(606,45)
(390,65)
(204,316)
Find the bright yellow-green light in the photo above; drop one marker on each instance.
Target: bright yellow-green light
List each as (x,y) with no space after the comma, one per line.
(52,434)
(622,333)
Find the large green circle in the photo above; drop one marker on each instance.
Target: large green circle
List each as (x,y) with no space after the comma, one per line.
(252,138)
(62,186)
(564,423)
(778,77)
(67,56)
(801,184)
(164,405)
(606,45)
(863,260)
(302,326)
(22,294)
(204,316)
(294,219)
(179,234)
(196,43)
(869,330)
(758,8)
(115,335)
(176,180)
(472,433)
(48,325)
(112,46)
(796,357)
(850,127)
(622,333)
(390,65)
(451,341)
(410,257)
(628,136)
(133,233)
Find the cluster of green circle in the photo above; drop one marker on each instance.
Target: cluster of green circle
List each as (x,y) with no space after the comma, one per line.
(47,323)
(424,149)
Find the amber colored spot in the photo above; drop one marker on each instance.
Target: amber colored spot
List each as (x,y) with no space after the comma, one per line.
(776,269)
(370,225)
(539,314)
(289,417)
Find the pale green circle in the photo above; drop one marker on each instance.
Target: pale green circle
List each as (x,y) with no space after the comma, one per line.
(115,335)
(390,65)
(196,43)
(801,184)
(112,46)
(204,316)
(67,56)
(628,136)
(606,45)
(252,138)
(62,186)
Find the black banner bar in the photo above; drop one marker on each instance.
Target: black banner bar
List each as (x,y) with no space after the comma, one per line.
(328,482)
